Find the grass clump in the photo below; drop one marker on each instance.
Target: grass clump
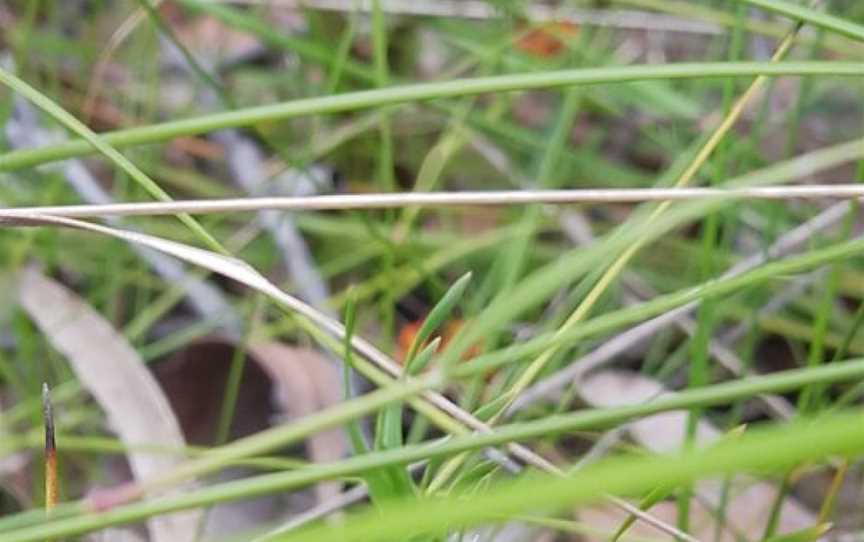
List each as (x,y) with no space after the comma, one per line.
(470,369)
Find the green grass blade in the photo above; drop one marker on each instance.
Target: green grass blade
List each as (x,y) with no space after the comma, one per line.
(421,360)
(420,92)
(808,15)
(381,486)
(99,144)
(653,497)
(810,534)
(355,433)
(439,315)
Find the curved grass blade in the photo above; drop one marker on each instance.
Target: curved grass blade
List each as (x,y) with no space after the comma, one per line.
(803,14)
(809,534)
(422,360)
(420,92)
(355,432)
(380,483)
(50,107)
(438,316)
(653,497)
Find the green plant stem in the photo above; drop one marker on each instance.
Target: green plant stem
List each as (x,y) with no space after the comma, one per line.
(421,92)
(808,15)
(96,143)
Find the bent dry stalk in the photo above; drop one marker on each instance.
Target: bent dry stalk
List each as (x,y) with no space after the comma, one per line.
(446,199)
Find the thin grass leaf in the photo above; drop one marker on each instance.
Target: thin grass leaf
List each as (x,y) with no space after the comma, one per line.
(380,482)
(804,14)
(489,410)
(653,497)
(419,362)
(355,432)
(809,534)
(420,92)
(439,315)
(50,107)
(388,436)
(830,499)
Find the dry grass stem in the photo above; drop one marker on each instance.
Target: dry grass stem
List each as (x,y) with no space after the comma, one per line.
(446,199)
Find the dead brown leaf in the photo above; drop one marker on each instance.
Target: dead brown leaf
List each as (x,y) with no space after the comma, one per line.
(278,381)
(306,382)
(194,379)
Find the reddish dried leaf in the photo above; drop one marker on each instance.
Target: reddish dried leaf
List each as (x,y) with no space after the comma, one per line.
(546,40)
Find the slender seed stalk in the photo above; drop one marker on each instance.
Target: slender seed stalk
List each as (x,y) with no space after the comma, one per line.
(50,450)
